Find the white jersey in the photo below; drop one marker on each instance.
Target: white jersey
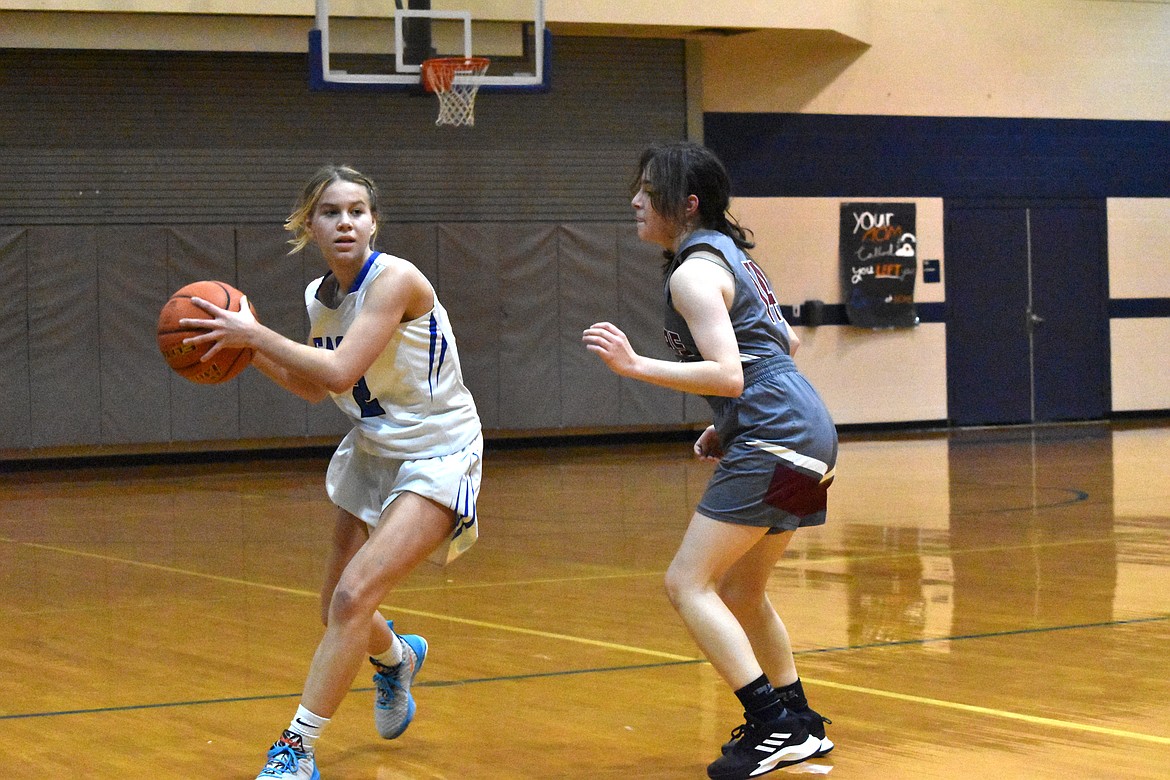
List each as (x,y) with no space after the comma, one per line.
(411,403)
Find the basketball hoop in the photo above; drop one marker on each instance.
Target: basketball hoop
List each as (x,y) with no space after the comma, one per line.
(453,80)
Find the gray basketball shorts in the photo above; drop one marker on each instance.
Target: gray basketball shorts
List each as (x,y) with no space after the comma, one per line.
(779,452)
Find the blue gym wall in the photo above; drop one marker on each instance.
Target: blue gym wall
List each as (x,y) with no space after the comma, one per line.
(777,155)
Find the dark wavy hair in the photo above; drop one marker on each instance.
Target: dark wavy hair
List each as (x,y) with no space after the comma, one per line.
(671,172)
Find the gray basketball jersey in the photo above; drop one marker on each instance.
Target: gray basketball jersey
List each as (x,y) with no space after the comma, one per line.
(755,313)
(778,439)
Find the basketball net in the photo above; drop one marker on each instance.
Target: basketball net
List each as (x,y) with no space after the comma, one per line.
(452,79)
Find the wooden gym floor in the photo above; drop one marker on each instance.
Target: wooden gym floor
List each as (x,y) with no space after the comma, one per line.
(981,603)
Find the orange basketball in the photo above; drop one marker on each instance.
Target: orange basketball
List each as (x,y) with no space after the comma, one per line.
(184,358)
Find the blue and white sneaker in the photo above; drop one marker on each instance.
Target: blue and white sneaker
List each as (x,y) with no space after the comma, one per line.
(393,705)
(289,760)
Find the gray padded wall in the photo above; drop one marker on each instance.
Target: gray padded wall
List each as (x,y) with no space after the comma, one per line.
(90,137)
(15,387)
(135,404)
(63,336)
(151,170)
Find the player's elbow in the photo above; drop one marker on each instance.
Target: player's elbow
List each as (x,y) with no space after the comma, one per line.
(314,396)
(341,383)
(336,377)
(731,384)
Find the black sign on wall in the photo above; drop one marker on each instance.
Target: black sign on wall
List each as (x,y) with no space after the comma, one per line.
(879,260)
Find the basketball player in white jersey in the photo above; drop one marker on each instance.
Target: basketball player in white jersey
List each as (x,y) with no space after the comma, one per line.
(405,479)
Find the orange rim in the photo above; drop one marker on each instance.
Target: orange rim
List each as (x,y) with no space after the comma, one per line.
(439,72)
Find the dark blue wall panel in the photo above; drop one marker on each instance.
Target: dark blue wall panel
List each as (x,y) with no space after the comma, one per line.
(819,155)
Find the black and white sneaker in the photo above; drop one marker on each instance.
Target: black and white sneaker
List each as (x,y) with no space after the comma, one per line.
(813,721)
(758,747)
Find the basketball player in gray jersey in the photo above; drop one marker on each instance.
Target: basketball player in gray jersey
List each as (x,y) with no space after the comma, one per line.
(772,438)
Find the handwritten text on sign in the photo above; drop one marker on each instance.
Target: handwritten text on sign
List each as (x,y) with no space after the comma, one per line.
(879,260)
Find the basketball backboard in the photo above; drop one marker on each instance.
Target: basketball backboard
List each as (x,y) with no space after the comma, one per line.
(381,44)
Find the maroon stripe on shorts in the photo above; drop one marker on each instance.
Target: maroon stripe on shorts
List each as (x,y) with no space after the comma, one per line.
(797,493)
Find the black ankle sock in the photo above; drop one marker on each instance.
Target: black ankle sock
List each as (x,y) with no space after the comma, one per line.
(792,696)
(760,700)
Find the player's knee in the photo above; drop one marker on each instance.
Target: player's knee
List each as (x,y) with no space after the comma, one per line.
(742,599)
(680,585)
(347,604)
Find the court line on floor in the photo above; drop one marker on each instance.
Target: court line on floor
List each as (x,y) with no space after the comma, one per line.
(388,607)
(1077,496)
(550,634)
(367,689)
(784,563)
(1035,720)
(991,634)
(672,657)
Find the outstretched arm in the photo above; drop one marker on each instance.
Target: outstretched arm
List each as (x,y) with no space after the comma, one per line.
(701,292)
(303,369)
(312,392)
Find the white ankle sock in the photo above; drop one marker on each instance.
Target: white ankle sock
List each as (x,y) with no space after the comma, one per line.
(392,656)
(308,725)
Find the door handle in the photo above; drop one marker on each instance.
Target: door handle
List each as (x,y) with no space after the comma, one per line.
(1034,318)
